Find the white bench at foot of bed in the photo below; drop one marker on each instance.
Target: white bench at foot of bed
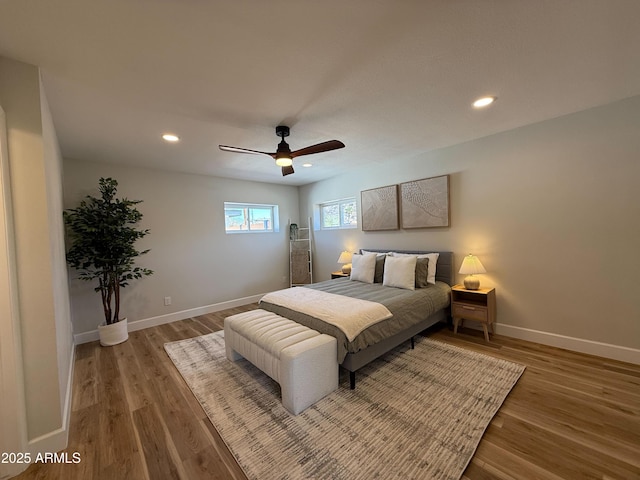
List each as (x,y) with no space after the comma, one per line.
(304,362)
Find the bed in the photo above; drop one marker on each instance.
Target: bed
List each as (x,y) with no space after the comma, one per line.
(412,311)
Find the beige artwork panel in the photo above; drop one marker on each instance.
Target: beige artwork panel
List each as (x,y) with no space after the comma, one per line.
(425,203)
(380,208)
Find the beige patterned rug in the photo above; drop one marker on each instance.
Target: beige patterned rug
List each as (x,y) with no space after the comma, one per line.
(415,414)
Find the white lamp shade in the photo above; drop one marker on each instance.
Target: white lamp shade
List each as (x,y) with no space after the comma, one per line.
(345,257)
(471,265)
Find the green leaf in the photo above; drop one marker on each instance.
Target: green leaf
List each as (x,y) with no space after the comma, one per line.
(102,232)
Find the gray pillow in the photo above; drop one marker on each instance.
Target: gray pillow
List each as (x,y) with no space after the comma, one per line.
(422,268)
(379,274)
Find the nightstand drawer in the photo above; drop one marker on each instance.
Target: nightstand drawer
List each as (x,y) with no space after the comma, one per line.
(470,312)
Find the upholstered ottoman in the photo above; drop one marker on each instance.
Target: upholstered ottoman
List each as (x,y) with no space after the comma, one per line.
(304,362)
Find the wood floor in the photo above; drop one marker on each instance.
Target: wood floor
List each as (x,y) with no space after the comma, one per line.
(571,416)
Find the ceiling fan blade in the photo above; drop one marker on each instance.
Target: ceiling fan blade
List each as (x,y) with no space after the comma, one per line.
(287,170)
(318,148)
(227,148)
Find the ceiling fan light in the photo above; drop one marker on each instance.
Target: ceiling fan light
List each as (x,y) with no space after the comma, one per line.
(283,160)
(283,155)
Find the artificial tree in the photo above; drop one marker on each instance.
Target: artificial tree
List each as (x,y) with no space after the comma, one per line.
(103,233)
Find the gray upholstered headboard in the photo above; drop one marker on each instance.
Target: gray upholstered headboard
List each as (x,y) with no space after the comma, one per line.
(444,267)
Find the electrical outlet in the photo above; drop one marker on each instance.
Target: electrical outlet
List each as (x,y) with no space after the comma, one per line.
(167,301)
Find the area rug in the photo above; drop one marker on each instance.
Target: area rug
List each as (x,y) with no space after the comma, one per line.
(415,414)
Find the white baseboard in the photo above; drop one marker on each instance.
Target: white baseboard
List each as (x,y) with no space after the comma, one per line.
(91,336)
(66,413)
(49,442)
(58,439)
(606,350)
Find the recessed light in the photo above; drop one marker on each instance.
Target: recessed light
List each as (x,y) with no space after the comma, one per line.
(484,101)
(170,137)
(307,165)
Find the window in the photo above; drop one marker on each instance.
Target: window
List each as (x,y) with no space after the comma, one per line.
(339,214)
(247,217)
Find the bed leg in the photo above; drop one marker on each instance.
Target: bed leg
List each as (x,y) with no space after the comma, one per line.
(352,380)
(412,344)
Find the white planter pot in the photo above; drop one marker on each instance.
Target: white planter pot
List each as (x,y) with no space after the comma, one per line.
(113,334)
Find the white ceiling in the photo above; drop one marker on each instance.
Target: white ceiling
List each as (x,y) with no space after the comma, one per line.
(390,78)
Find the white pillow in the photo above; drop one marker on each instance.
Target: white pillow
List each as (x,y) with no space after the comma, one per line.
(400,272)
(363,267)
(380,258)
(433,260)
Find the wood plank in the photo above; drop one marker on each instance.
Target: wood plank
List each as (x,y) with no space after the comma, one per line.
(560,455)
(207,464)
(114,419)
(492,461)
(153,346)
(157,453)
(173,400)
(233,470)
(83,439)
(210,322)
(197,328)
(85,386)
(130,467)
(137,388)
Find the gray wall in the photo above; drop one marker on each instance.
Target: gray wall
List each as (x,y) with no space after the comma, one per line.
(35,170)
(59,278)
(195,262)
(550,209)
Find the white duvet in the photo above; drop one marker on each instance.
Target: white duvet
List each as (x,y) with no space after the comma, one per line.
(351,315)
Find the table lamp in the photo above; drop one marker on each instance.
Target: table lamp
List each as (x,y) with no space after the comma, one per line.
(470,266)
(345,260)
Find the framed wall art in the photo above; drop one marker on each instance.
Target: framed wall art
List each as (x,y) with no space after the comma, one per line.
(380,208)
(425,203)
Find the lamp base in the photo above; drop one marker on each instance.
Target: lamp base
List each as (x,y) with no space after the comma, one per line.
(346,268)
(471,283)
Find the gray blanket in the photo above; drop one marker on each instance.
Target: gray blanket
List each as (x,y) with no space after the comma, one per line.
(407,306)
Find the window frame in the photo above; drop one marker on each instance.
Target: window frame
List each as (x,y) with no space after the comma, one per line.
(248,207)
(340,203)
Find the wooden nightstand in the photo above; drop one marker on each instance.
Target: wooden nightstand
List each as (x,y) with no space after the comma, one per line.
(477,305)
(339,274)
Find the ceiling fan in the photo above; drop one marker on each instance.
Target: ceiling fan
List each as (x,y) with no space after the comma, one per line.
(283,155)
